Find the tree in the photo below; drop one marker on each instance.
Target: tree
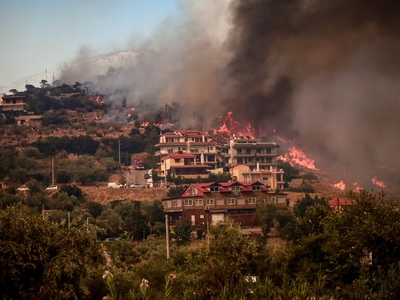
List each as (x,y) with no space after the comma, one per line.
(266,214)
(135,222)
(95,209)
(183,232)
(43,83)
(40,259)
(222,267)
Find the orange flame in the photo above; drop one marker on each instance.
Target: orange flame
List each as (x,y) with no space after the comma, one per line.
(232,127)
(340,185)
(378,182)
(297,157)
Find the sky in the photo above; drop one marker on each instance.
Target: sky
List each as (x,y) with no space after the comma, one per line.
(42,34)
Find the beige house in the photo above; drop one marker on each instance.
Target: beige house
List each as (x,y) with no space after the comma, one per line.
(254,153)
(184,165)
(30,120)
(8,103)
(189,141)
(272,177)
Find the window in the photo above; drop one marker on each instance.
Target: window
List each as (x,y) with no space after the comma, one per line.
(210,202)
(268,150)
(169,204)
(271,199)
(281,200)
(240,201)
(194,191)
(220,201)
(236,188)
(188,192)
(252,200)
(188,202)
(174,204)
(198,202)
(256,188)
(177,160)
(179,203)
(231,201)
(214,188)
(194,150)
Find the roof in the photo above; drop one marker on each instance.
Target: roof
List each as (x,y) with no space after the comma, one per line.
(191,167)
(180,155)
(340,202)
(224,187)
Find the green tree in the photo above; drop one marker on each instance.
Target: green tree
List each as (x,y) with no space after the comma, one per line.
(222,266)
(183,231)
(266,214)
(134,220)
(43,260)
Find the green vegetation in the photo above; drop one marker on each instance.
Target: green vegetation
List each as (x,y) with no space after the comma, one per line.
(353,254)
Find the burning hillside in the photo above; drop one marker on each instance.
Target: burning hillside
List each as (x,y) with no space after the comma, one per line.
(336,96)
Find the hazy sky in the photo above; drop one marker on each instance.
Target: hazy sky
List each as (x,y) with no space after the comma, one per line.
(42,34)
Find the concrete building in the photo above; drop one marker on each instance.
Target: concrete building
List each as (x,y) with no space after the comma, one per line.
(254,153)
(191,142)
(272,177)
(211,203)
(8,103)
(183,165)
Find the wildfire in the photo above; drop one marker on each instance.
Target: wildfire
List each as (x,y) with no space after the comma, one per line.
(296,157)
(378,182)
(340,185)
(232,127)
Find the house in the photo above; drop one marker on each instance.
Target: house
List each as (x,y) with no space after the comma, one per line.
(184,165)
(254,153)
(211,203)
(15,103)
(271,177)
(339,204)
(29,120)
(191,142)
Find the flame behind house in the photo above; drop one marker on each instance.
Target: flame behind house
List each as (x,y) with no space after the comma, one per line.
(323,72)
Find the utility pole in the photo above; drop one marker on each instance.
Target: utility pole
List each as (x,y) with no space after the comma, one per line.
(119,153)
(167,234)
(52,171)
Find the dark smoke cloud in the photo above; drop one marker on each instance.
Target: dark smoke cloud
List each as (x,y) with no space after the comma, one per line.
(325,73)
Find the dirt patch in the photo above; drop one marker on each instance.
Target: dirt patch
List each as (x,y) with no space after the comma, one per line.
(103,194)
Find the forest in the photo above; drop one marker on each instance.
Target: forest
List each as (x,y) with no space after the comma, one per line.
(323,254)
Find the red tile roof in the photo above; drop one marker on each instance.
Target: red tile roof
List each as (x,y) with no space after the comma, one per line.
(340,202)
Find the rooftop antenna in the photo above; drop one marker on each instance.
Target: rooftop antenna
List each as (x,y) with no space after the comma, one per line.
(46,74)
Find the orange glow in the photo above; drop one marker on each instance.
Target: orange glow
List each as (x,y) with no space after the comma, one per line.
(232,127)
(297,157)
(340,185)
(378,182)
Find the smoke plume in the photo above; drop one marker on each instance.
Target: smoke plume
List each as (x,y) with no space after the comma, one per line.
(325,73)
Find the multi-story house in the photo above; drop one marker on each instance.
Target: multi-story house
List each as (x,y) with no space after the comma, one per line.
(252,152)
(16,103)
(189,141)
(211,203)
(183,165)
(271,177)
